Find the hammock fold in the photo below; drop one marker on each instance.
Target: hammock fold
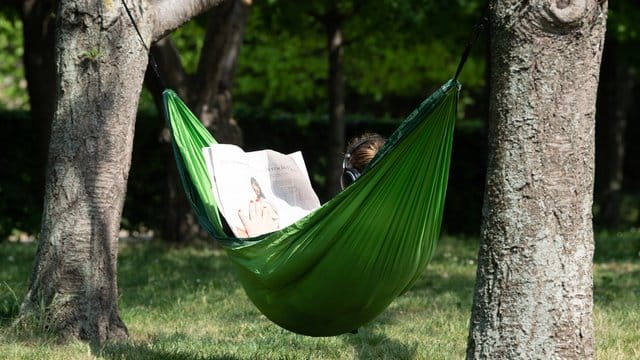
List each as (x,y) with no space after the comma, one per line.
(343,264)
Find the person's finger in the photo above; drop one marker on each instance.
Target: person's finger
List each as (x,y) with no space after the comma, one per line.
(257,207)
(243,217)
(241,232)
(252,210)
(263,210)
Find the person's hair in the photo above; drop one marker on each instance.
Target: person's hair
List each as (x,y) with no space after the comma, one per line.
(362,149)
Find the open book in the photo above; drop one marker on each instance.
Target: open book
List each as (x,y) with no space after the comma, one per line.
(260,191)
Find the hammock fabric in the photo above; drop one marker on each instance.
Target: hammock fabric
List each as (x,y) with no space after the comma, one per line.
(342,265)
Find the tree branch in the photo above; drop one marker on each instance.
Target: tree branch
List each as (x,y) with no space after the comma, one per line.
(170,14)
(213,50)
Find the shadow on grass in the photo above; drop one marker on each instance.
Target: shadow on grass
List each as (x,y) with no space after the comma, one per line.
(8,316)
(617,246)
(147,352)
(153,276)
(9,305)
(142,352)
(616,286)
(372,344)
(16,261)
(433,283)
(443,289)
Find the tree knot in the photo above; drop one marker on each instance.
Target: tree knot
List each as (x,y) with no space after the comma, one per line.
(565,14)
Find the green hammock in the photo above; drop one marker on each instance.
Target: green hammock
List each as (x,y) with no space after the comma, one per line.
(342,265)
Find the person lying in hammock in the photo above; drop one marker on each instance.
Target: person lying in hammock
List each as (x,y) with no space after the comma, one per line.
(360,151)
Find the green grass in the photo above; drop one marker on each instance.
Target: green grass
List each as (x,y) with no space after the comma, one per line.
(186,304)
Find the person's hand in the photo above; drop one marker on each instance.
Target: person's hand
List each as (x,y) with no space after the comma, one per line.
(260,218)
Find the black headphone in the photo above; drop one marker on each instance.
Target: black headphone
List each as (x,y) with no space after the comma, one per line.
(349,173)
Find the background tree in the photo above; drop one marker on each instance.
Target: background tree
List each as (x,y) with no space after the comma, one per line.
(534,282)
(381,33)
(100,65)
(396,53)
(207,91)
(38,32)
(30,34)
(620,78)
(330,17)
(333,21)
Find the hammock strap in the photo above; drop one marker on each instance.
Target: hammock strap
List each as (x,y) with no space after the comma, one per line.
(152,60)
(477,29)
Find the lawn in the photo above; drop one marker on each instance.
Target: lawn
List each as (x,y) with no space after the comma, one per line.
(185,303)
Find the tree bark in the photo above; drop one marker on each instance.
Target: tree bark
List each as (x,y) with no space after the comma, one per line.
(211,93)
(533,296)
(100,64)
(336,141)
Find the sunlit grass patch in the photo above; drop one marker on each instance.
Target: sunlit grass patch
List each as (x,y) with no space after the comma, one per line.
(186,303)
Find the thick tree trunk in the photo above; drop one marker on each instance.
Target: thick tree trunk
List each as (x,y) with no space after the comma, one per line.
(336,141)
(533,296)
(89,158)
(100,67)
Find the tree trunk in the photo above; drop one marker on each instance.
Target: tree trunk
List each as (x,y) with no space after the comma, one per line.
(336,141)
(208,94)
(533,295)
(98,89)
(38,34)
(619,93)
(100,67)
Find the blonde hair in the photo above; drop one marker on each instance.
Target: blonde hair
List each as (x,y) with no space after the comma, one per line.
(362,149)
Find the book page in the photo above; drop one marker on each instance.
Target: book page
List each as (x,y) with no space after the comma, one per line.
(260,191)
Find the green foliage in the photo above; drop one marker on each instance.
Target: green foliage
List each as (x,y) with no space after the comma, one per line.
(623,28)
(13,87)
(396,52)
(91,55)
(393,50)
(280,70)
(624,21)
